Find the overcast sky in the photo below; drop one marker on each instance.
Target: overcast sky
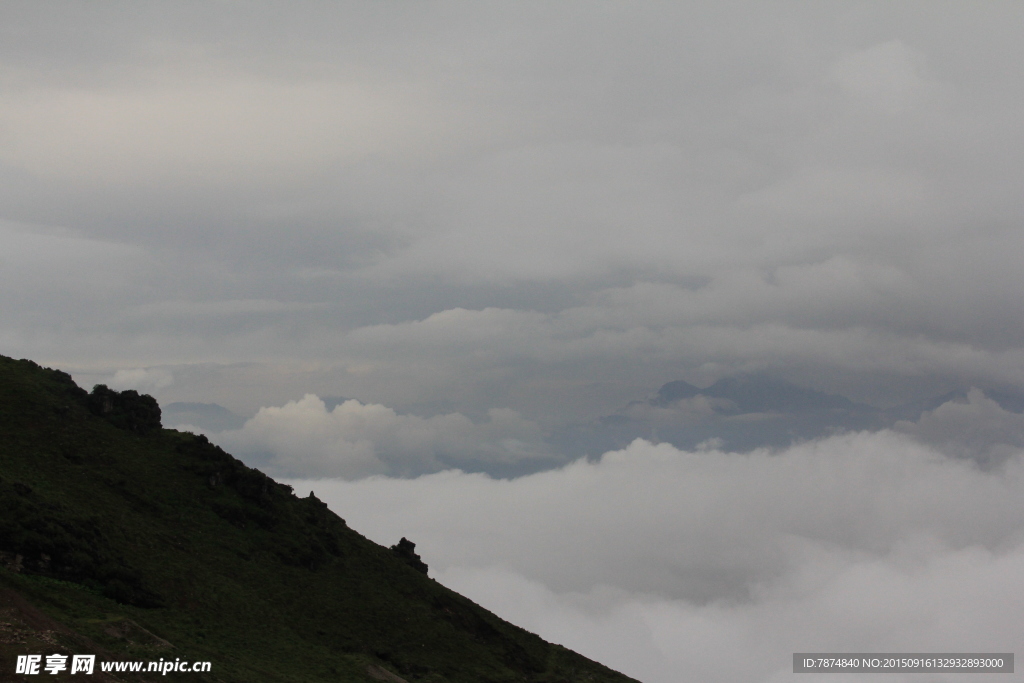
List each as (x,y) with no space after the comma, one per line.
(486,221)
(551,208)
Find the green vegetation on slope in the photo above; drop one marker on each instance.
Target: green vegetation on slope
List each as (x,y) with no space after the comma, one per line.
(142,543)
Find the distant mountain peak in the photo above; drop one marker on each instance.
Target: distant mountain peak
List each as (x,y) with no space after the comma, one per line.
(675,391)
(757,393)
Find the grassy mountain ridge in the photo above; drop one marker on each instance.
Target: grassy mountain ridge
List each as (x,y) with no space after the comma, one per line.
(142,543)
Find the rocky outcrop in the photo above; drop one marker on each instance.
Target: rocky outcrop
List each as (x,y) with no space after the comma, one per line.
(128,410)
(406,550)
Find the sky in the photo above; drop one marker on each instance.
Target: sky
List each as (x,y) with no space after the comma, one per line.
(409,244)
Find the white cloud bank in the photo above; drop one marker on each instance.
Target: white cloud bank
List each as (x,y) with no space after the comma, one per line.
(715,566)
(142,379)
(356,440)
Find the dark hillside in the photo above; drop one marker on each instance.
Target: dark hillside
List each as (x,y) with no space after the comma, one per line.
(129,541)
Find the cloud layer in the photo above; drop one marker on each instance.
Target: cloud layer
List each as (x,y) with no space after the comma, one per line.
(718,566)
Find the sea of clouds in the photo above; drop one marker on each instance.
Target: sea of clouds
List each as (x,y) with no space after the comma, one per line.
(715,566)
(705,565)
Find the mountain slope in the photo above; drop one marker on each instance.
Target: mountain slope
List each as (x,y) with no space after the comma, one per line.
(143,543)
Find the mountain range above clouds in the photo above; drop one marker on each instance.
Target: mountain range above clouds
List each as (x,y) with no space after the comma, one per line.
(736,413)
(743,412)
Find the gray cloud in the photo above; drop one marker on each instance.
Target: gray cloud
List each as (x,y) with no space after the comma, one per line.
(680,191)
(977,428)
